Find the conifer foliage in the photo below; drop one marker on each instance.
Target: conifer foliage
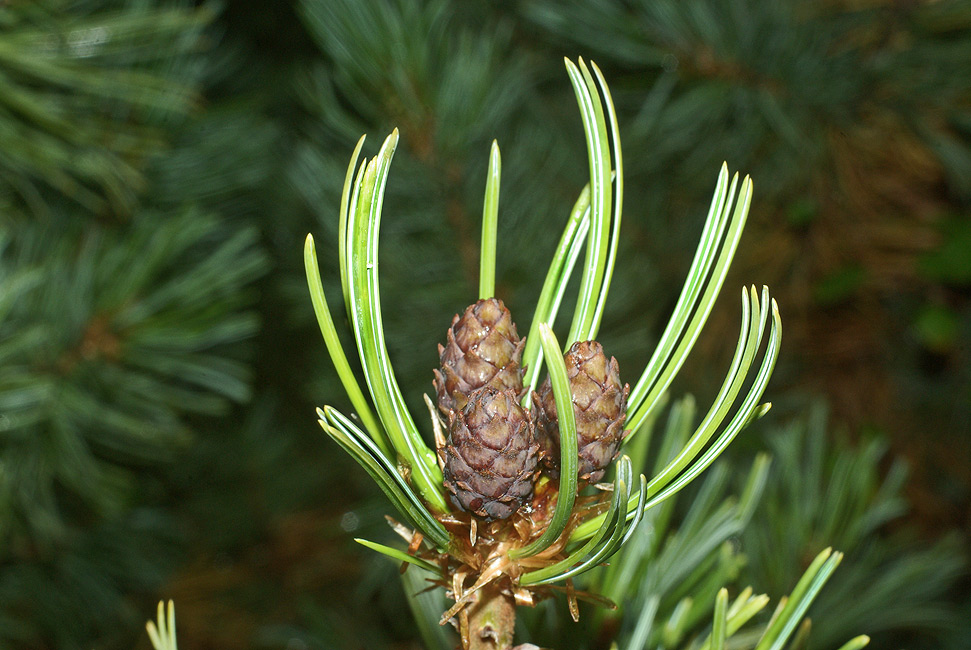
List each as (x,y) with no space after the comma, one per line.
(73,74)
(126,311)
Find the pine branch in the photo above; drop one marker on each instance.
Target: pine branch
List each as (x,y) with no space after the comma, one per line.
(68,79)
(121,336)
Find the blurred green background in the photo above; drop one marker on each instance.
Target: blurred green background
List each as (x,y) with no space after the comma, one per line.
(161,163)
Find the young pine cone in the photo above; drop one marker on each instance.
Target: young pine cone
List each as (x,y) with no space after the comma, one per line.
(599,403)
(490,456)
(483,349)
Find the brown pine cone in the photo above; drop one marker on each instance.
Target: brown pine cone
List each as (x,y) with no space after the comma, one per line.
(490,456)
(483,349)
(600,406)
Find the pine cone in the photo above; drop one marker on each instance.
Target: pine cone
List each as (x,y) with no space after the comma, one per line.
(490,456)
(483,349)
(600,406)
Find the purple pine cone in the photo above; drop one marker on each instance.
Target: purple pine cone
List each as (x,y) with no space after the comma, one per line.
(600,406)
(490,456)
(482,349)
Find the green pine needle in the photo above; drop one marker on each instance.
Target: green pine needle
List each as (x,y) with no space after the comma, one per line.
(675,628)
(605,543)
(554,286)
(400,556)
(568,447)
(719,627)
(705,278)
(691,460)
(598,151)
(490,217)
(162,632)
(856,643)
(617,160)
(384,472)
(743,609)
(351,184)
(744,355)
(336,351)
(363,229)
(788,617)
(645,623)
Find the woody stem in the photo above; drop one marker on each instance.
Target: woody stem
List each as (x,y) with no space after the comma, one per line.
(492,620)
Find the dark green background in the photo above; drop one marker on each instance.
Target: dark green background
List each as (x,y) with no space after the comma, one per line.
(161,163)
